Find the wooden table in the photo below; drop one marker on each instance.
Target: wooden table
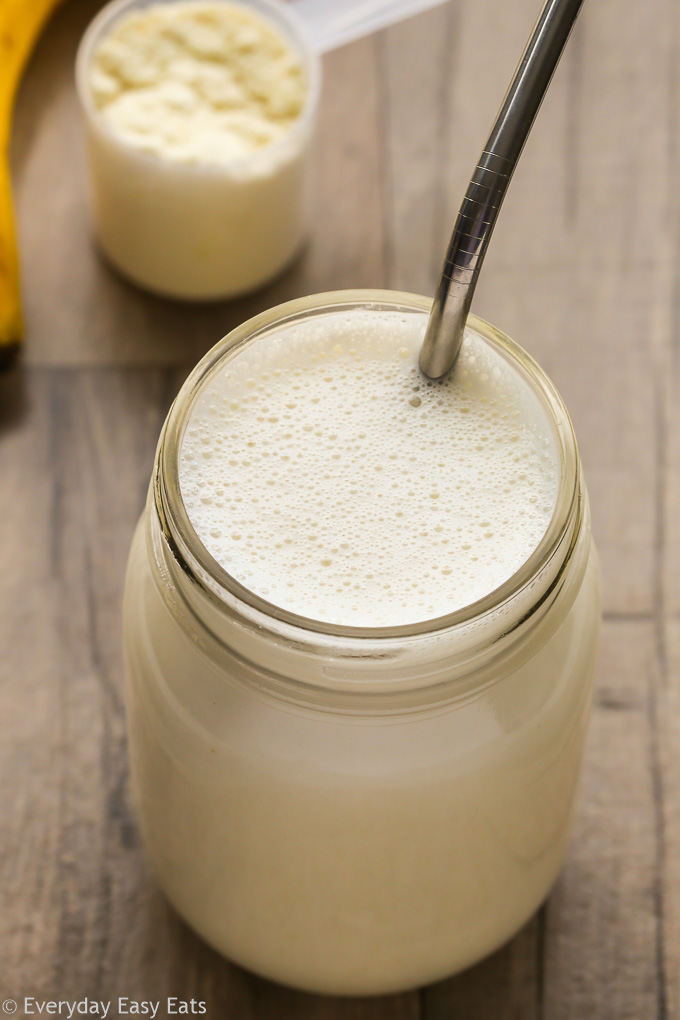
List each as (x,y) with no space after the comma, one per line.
(584,270)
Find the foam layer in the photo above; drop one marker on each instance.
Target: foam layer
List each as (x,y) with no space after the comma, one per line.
(326,475)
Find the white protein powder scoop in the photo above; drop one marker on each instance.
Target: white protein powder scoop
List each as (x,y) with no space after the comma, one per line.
(200,118)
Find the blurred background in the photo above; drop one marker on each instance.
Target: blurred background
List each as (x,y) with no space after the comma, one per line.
(583,271)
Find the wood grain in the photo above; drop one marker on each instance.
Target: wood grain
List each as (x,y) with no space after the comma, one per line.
(584,270)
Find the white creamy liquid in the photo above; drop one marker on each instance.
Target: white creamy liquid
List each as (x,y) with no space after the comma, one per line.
(327,476)
(361,814)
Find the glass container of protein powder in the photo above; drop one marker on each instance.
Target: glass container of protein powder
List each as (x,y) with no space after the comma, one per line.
(361,787)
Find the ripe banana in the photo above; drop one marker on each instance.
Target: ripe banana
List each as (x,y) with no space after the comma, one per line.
(20,25)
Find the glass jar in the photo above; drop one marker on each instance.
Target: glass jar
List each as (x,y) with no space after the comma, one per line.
(356,811)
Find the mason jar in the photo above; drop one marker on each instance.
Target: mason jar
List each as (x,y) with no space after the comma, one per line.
(356,810)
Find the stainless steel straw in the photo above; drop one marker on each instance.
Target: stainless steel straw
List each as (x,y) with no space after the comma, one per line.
(488,185)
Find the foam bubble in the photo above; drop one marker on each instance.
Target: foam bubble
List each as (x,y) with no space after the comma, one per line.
(327,476)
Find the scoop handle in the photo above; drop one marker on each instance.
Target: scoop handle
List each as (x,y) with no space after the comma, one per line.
(332,23)
(489,184)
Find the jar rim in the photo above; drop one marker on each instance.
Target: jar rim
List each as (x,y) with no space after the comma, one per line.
(281,14)
(221,587)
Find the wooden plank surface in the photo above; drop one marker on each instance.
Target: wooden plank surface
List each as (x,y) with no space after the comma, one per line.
(584,271)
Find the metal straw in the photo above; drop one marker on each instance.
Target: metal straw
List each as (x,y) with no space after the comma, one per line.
(489,183)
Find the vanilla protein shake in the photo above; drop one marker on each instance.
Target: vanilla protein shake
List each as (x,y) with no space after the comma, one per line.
(328,476)
(361,619)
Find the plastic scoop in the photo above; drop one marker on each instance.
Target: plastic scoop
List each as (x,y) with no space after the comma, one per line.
(332,23)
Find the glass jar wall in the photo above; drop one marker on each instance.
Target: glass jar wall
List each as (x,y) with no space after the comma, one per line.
(346,810)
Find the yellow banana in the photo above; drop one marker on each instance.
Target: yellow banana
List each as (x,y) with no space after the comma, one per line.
(20,25)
